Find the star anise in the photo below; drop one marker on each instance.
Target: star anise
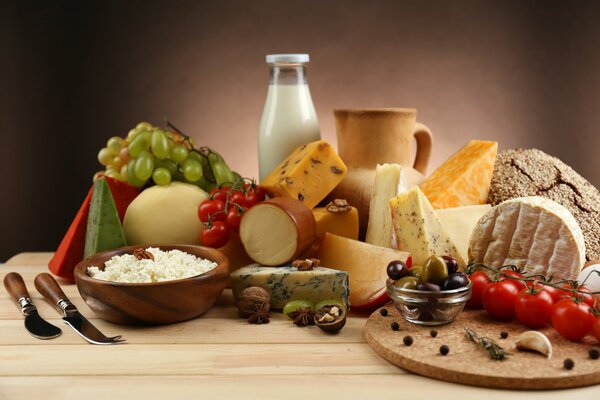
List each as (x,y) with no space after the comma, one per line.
(260,314)
(303,317)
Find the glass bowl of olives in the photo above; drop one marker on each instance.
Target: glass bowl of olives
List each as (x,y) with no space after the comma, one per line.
(431,294)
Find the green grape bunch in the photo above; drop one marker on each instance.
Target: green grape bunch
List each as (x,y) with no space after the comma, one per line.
(150,155)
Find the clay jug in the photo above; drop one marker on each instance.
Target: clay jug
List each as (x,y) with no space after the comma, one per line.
(375,136)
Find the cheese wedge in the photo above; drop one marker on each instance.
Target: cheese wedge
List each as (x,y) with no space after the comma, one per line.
(339,223)
(531,232)
(390,180)
(459,223)
(419,230)
(464,179)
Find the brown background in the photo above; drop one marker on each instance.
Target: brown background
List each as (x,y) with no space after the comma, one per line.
(72,74)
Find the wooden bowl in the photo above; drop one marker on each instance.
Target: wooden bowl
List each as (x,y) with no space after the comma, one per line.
(153,303)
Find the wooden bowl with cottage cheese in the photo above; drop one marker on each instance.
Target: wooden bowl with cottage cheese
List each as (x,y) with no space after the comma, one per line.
(150,285)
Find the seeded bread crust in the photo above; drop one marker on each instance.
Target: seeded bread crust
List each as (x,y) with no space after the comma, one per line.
(531,172)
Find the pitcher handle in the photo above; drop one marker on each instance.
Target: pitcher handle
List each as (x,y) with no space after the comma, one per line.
(424,139)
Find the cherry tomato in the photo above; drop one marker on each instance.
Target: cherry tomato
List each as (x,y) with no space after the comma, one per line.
(534,310)
(219,194)
(596,328)
(587,298)
(552,291)
(499,299)
(233,218)
(257,191)
(216,235)
(238,198)
(480,280)
(251,198)
(573,320)
(514,274)
(214,209)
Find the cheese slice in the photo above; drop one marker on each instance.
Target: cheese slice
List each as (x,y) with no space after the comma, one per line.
(419,230)
(532,232)
(339,223)
(459,223)
(287,283)
(390,180)
(464,179)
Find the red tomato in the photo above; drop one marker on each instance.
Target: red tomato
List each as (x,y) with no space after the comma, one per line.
(233,218)
(216,235)
(514,274)
(219,194)
(534,310)
(251,198)
(571,319)
(238,198)
(499,299)
(211,209)
(480,280)
(596,328)
(552,291)
(587,298)
(260,193)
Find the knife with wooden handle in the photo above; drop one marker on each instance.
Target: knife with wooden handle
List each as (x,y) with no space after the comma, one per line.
(48,287)
(35,325)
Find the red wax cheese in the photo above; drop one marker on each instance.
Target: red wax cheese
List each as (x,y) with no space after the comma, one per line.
(70,250)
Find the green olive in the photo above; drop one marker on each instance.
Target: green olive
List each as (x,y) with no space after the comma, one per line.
(330,302)
(408,282)
(296,305)
(416,271)
(435,270)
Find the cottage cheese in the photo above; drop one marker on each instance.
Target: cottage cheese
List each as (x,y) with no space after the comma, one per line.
(166,266)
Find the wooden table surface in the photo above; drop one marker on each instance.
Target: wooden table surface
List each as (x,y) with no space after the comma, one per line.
(215,356)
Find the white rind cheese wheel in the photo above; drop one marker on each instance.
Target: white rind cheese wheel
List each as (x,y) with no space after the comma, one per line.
(532,232)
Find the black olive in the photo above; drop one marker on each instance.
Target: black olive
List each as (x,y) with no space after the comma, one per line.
(455,281)
(451,264)
(428,287)
(397,269)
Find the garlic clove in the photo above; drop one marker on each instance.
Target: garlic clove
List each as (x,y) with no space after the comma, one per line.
(534,341)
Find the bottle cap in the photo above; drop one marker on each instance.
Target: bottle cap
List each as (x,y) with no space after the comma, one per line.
(287,58)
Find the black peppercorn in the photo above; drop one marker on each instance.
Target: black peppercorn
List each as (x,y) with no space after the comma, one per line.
(395,326)
(408,340)
(433,333)
(569,363)
(383,312)
(594,353)
(503,334)
(444,349)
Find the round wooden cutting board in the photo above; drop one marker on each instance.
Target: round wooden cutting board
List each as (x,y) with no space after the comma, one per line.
(467,363)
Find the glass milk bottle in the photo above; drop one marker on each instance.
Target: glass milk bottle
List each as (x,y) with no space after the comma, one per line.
(289,119)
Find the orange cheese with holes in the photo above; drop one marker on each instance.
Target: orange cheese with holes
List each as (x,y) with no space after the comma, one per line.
(464,179)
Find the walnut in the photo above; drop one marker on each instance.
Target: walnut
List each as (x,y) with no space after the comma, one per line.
(306,265)
(142,254)
(250,298)
(338,206)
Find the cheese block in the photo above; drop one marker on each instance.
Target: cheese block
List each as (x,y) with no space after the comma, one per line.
(390,180)
(418,229)
(104,230)
(287,283)
(277,231)
(532,232)
(365,263)
(459,223)
(339,223)
(308,174)
(464,179)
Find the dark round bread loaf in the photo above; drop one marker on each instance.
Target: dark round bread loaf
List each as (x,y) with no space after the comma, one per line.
(532,172)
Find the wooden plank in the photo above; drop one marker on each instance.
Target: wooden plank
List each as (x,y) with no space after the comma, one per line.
(30,259)
(199,331)
(193,359)
(264,387)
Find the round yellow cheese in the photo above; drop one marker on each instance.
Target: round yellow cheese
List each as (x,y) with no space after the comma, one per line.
(165,214)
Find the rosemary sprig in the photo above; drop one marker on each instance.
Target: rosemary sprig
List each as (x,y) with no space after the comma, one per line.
(495,350)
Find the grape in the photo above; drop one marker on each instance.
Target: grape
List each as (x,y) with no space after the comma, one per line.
(124,173)
(167,164)
(160,144)
(117,163)
(132,134)
(114,145)
(131,178)
(124,154)
(143,126)
(144,166)
(137,146)
(104,156)
(192,170)
(179,153)
(147,135)
(161,176)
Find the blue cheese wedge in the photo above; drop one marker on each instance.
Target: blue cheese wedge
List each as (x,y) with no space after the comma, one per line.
(419,230)
(287,283)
